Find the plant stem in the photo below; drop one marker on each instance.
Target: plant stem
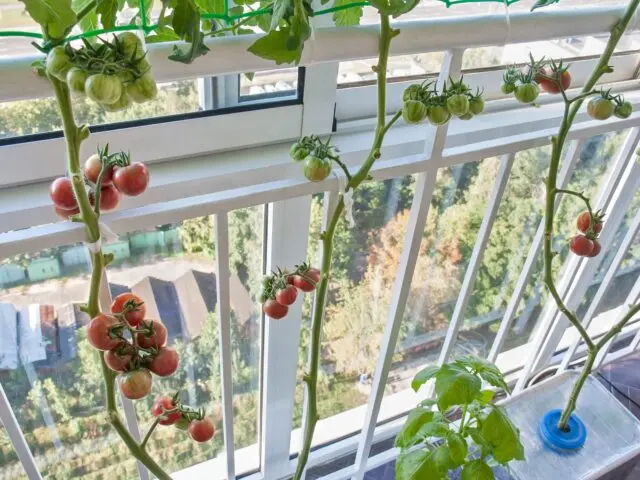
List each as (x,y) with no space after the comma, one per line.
(462,418)
(571,109)
(74,136)
(617,328)
(311,378)
(148,435)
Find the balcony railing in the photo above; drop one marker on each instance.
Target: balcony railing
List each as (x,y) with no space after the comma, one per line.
(445,257)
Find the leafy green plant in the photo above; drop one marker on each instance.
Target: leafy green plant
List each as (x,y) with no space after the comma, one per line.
(433,445)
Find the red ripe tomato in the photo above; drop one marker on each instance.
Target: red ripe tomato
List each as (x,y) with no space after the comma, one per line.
(287,295)
(274,309)
(202,430)
(136,384)
(109,198)
(66,213)
(116,362)
(158,337)
(313,274)
(303,284)
(581,245)
(92,168)
(99,332)
(584,221)
(134,317)
(131,180)
(61,193)
(550,86)
(165,362)
(163,404)
(596,249)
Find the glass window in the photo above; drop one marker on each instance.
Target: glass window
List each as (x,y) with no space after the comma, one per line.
(269,84)
(357,72)
(364,268)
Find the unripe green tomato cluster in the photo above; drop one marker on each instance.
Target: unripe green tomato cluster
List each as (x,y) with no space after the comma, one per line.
(314,156)
(113,91)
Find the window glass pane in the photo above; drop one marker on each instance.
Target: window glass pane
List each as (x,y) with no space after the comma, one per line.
(269,84)
(355,72)
(364,268)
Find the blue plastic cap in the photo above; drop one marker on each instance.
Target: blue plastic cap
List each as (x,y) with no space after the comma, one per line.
(559,440)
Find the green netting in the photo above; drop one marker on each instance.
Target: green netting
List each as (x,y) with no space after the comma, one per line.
(225,17)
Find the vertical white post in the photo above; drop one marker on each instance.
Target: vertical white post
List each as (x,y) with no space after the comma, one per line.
(287,237)
(425,184)
(221,232)
(568,165)
(614,200)
(127,405)
(457,319)
(609,277)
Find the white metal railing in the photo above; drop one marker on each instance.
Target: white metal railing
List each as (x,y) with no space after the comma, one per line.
(252,174)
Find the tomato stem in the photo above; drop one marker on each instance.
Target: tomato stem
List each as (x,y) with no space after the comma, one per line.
(153,426)
(74,136)
(571,108)
(311,377)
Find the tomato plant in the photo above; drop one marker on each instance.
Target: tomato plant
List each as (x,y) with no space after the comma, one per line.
(164,404)
(527,92)
(165,362)
(154,334)
(202,430)
(623,109)
(92,169)
(134,306)
(585,224)
(551,81)
(581,245)
(61,193)
(316,168)
(136,384)
(118,362)
(414,111)
(600,108)
(438,115)
(104,332)
(287,295)
(274,309)
(103,88)
(131,180)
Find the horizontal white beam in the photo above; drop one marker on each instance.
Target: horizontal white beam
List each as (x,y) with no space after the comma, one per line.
(330,44)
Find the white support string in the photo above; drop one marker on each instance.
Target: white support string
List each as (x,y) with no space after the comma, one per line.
(106,233)
(508,20)
(347,196)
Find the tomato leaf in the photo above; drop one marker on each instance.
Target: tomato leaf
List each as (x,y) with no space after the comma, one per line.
(196,49)
(457,449)
(487,371)
(416,465)
(211,6)
(477,470)
(347,17)
(543,3)
(436,428)
(185,17)
(440,457)
(423,376)
(282,9)
(55,16)
(415,420)
(502,435)
(486,396)
(164,34)
(107,10)
(455,386)
(275,46)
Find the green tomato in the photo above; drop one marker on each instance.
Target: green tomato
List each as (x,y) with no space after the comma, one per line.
(58,63)
(466,116)
(600,108)
(131,46)
(412,92)
(438,115)
(527,92)
(143,89)
(508,88)
(458,104)
(476,105)
(76,78)
(182,423)
(414,111)
(297,152)
(623,110)
(316,169)
(123,102)
(104,89)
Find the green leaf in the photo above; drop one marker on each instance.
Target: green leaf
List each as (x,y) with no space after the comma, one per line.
(440,457)
(436,428)
(487,371)
(55,16)
(486,396)
(416,419)
(455,386)
(186,18)
(165,34)
(395,8)
(211,6)
(196,49)
(543,3)
(90,21)
(416,465)
(502,436)
(282,9)
(477,470)
(107,10)
(457,449)
(274,46)
(423,376)
(348,16)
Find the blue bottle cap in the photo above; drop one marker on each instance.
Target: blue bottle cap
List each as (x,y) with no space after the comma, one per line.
(559,440)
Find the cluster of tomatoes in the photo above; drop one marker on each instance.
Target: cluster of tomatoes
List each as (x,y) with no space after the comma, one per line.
(280,289)
(116,175)
(586,244)
(135,348)
(111,74)
(315,156)
(554,78)
(423,101)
